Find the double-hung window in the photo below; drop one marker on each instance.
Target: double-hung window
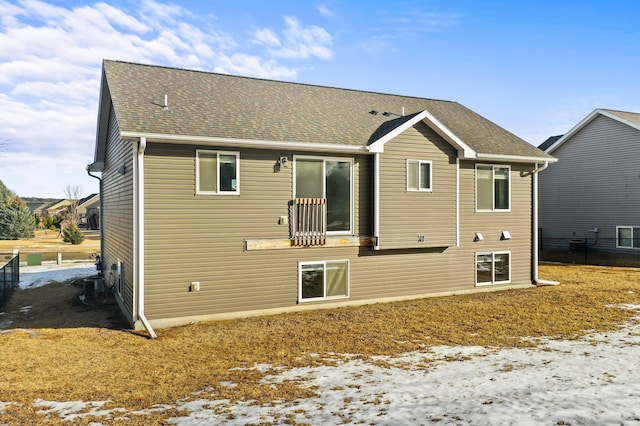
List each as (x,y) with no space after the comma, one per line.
(418,175)
(493,188)
(628,237)
(323,280)
(217,172)
(493,268)
(331,179)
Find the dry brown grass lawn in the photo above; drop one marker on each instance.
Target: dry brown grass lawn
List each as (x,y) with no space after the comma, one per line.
(48,244)
(134,372)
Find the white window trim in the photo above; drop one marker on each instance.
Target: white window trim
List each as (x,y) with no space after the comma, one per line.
(324,185)
(493,259)
(218,153)
(493,195)
(420,162)
(324,263)
(618,238)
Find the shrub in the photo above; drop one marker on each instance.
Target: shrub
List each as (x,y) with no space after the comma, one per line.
(72,234)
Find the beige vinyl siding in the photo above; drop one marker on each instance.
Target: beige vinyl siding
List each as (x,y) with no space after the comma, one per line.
(404,215)
(397,273)
(199,238)
(491,224)
(594,184)
(117,213)
(191,237)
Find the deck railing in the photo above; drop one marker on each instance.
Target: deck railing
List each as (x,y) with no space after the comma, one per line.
(309,225)
(9,278)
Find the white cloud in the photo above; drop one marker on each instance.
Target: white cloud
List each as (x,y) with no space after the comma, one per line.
(267,37)
(50,59)
(239,63)
(297,42)
(324,10)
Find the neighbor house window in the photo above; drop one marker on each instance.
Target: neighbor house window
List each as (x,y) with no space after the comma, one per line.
(323,280)
(217,172)
(493,188)
(493,268)
(418,175)
(331,179)
(628,237)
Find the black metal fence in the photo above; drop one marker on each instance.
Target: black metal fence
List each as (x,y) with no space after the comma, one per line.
(9,278)
(588,251)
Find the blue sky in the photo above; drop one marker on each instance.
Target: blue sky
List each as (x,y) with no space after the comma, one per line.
(535,68)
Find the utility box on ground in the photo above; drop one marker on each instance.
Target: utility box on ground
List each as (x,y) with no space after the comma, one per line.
(34,259)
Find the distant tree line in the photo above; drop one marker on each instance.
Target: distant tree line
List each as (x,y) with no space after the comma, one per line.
(16,220)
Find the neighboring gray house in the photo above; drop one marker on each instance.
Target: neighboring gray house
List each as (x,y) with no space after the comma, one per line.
(88,211)
(289,196)
(593,192)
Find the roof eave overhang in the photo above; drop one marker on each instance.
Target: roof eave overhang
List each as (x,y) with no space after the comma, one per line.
(103,120)
(95,167)
(464,151)
(514,158)
(241,143)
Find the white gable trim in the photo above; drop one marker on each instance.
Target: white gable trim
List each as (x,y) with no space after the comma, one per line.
(586,121)
(435,124)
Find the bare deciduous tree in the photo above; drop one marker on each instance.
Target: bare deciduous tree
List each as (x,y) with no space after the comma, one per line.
(73,194)
(4,144)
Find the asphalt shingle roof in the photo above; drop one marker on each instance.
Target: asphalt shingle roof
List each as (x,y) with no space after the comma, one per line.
(631,117)
(550,141)
(218,105)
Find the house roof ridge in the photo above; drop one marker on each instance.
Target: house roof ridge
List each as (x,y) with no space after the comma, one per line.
(281,81)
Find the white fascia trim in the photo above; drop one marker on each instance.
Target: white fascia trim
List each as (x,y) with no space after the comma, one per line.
(515,158)
(435,124)
(620,119)
(252,143)
(586,121)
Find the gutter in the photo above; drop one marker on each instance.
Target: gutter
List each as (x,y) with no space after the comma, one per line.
(101,210)
(536,237)
(138,224)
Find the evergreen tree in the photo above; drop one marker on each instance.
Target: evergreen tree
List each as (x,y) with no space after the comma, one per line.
(72,234)
(16,220)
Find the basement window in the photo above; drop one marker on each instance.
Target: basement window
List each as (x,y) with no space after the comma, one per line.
(493,268)
(323,280)
(217,172)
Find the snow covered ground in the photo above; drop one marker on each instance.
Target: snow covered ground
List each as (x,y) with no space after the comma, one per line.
(590,381)
(36,276)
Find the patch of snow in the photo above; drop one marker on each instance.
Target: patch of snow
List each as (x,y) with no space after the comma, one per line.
(71,410)
(37,276)
(595,380)
(25,309)
(589,381)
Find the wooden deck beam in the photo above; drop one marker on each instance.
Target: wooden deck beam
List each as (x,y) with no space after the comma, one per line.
(251,244)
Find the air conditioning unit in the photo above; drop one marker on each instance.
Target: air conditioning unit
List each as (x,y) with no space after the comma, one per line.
(93,287)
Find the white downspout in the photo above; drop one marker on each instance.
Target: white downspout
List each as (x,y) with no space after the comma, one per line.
(139,237)
(458,200)
(376,200)
(536,243)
